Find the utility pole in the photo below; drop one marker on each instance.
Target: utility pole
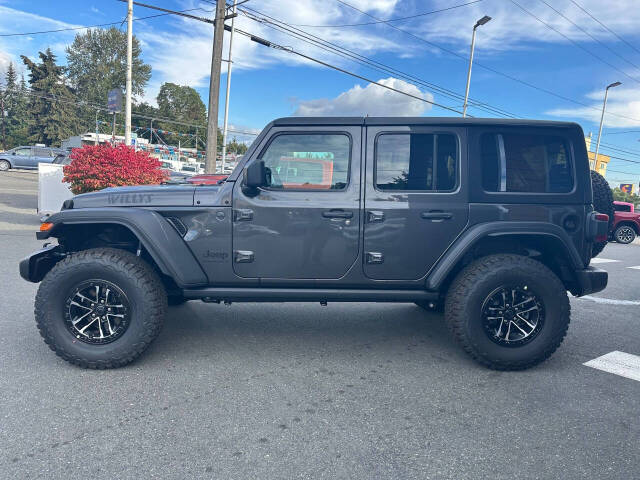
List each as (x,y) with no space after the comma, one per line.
(604,106)
(226,101)
(479,23)
(97,129)
(127,117)
(214,88)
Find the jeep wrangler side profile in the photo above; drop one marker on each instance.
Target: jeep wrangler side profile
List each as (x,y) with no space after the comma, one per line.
(491,219)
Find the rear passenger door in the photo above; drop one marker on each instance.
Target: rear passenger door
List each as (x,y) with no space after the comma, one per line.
(42,154)
(415,202)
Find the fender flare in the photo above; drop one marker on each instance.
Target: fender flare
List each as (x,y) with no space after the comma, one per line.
(159,238)
(464,243)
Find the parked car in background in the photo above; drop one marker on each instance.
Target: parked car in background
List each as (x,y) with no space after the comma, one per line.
(28,157)
(207,179)
(626,222)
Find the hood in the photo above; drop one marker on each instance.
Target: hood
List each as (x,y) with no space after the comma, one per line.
(138,196)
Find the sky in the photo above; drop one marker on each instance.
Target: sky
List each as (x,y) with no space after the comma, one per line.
(540,59)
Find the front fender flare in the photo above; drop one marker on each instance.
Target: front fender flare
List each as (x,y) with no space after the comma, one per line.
(159,238)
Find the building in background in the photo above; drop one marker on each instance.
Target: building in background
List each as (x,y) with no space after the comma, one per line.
(603,160)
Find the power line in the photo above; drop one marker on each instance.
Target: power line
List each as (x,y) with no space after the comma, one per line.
(589,35)
(90,26)
(334,48)
(589,52)
(605,27)
(397,19)
(486,67)
(268,43)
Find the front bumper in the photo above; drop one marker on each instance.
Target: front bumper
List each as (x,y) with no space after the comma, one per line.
(34,267)
(590,280)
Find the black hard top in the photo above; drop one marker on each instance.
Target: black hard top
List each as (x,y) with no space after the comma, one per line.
(458,121)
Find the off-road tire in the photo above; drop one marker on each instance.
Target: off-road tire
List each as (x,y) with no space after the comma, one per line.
(4,165)
(603,203)
(136,278)
(624,234)
(471,287)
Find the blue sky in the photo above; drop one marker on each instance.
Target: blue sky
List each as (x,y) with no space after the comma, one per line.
(267,83)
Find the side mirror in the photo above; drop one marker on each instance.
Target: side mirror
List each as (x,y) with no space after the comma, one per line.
(255,175)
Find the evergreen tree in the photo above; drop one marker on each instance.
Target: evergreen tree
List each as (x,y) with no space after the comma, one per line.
(51,106)
(14,102)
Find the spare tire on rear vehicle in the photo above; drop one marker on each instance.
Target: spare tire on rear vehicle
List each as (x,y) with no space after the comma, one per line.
(602,203)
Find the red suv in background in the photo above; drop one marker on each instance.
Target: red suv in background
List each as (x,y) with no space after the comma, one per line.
(626,222)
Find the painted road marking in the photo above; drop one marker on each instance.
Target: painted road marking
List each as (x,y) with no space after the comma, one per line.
(619,363)
(603,260)
(610,301)
(635,268)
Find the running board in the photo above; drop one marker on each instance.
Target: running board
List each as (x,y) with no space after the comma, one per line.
(307,295)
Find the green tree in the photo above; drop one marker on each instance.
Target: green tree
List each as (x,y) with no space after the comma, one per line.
(14,128)
(51,106)
(620,196)
(235,147)
(183,104)
(97,62)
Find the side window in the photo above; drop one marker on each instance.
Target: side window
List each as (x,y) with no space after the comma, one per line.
(621,208)
(308,161)
(416,161)
(525,163)
(23,152)
(42,152)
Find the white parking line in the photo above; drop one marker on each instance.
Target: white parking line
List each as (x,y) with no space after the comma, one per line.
(635,268)
(610,301)
(620,363)
(603,260)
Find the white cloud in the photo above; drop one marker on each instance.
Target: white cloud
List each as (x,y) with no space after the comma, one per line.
(371,100)
(511,27)
(184,55)
(621,101)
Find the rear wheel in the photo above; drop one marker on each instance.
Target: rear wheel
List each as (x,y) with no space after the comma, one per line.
(4,165)
(508,312)
(100,308)
(624,234)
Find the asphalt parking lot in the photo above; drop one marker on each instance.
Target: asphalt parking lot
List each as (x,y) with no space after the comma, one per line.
(272,391)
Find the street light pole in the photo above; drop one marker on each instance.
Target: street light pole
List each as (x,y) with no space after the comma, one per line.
(482,21)
(604,106)
(226,101)
(127,117)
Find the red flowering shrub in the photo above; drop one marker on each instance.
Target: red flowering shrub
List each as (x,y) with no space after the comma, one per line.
(94,167)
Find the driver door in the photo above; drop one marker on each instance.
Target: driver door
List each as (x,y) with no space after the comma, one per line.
(304,223)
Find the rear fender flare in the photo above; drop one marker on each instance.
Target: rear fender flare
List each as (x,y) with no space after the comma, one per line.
(469,239)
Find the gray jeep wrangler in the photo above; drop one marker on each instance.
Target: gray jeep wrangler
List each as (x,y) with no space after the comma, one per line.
(492,220)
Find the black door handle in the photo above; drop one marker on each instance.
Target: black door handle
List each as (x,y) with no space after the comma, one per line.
(337,214)
(436,215)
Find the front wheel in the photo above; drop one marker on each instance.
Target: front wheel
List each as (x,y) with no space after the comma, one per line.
(625,234)
(100,308)
(508,312)
(4,165)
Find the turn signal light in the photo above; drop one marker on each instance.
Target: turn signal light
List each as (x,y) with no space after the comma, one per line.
(46,226)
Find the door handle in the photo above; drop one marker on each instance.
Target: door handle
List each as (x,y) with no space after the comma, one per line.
(436,215)
(337,214)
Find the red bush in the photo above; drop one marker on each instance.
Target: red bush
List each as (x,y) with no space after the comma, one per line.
(94,167)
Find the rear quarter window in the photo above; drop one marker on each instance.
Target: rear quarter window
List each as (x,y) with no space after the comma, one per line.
(526,163)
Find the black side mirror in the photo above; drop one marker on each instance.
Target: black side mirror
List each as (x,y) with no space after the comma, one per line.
(255,175)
